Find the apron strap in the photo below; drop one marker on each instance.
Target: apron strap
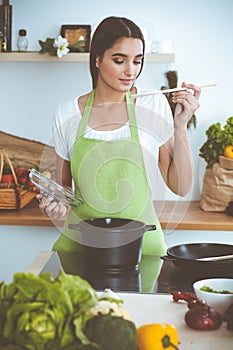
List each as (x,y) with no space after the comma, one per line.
(86,114)
(132,116)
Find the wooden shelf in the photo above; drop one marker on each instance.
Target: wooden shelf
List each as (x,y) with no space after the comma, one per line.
(71,57)
(172,215)
(182,215)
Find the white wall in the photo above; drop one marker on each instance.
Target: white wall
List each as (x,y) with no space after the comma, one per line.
(200,30)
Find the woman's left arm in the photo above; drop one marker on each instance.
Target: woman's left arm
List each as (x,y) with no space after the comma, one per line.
(175,158)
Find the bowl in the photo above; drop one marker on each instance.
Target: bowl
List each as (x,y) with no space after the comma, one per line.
(219,301)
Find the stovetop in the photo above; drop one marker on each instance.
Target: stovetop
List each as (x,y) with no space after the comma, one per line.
(153,275)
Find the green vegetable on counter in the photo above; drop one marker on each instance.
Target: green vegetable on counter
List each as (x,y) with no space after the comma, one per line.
(210,290)
(37,312)
(40,313)
(113,333)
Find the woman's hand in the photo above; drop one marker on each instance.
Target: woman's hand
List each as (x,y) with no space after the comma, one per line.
(187,103)
(55,210)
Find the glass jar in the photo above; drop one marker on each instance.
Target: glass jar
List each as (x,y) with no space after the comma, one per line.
(22,41)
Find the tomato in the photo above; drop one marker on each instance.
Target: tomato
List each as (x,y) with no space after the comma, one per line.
(7,178)
(22,172)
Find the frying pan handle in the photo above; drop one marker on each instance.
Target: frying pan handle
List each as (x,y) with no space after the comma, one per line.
(150,228)
(167,258)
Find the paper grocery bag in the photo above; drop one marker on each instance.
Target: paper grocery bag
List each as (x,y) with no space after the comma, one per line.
(217,189)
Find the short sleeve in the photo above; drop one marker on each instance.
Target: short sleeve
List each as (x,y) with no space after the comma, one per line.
(65,126)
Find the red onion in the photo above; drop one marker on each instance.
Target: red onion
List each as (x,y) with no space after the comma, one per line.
(203,317)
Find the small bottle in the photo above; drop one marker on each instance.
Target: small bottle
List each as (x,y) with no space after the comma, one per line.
(4,41)
(22,41)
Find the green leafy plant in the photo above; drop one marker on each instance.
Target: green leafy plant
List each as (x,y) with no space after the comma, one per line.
(172,79)
(48,46)
(79,45)
(218,138)
(55,47)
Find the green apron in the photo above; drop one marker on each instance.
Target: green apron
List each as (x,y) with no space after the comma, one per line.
(110,176)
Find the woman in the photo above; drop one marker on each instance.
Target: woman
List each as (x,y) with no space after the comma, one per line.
(104,139)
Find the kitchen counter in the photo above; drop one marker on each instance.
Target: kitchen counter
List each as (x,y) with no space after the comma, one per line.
(179,215)
(144,306)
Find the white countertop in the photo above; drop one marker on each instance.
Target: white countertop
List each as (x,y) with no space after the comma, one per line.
(158,308)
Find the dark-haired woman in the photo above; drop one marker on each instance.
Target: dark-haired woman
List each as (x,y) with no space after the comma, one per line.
(110,145)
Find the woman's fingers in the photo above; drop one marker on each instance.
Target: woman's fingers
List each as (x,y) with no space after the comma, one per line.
(196,89)
(187,99)
(191,96)
(187,102)
(50,207)
(55,209)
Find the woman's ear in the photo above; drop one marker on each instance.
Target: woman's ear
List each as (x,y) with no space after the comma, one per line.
(97,62)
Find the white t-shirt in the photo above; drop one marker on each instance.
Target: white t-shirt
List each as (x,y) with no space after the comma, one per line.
(155,127)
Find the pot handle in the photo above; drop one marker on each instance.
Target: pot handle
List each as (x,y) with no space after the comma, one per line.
(167,258)
(74,227)
(150,228)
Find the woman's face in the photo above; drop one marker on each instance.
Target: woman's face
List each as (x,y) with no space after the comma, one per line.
(121,64)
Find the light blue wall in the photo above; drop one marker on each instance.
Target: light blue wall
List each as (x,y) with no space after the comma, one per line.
(19,245)
(200,30)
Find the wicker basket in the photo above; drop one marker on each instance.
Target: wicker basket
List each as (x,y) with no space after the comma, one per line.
(12,195)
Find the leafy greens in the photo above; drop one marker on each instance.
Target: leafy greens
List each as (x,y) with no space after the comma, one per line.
(40,313)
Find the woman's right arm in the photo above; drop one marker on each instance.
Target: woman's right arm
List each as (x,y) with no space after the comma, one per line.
(62,138)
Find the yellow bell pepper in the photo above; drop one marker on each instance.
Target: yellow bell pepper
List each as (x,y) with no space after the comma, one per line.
(157,336)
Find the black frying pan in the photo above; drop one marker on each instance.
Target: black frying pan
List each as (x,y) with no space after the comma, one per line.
(184,256)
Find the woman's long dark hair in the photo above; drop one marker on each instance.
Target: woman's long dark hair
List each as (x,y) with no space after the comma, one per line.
(105,36)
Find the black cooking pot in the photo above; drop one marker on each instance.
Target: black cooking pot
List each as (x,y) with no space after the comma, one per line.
(112,242)
(184,256)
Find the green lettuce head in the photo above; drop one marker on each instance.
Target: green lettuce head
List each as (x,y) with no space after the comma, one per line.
(38,313)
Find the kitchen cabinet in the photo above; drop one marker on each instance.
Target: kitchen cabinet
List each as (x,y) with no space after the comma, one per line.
(72,57)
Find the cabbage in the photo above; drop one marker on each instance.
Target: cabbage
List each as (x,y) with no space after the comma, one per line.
(40,313)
